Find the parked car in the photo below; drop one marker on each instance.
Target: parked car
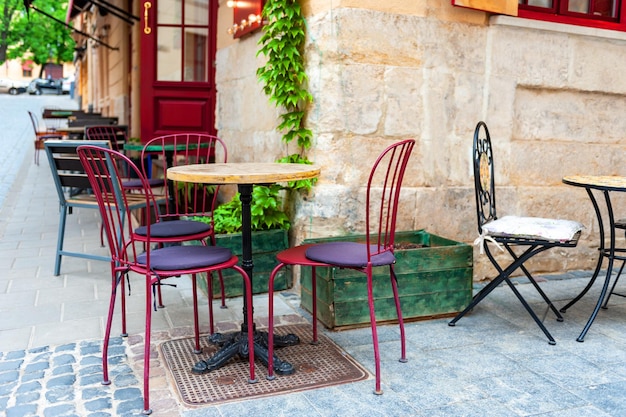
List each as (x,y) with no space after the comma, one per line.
(67,84)
(12,87)
(40,86)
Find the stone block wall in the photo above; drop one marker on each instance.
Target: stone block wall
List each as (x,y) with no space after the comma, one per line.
(552,96)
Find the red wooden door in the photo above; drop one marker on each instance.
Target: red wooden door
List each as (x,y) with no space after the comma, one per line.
(178,40)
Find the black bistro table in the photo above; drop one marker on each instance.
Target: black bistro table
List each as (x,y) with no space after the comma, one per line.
(245,175)
(601,185)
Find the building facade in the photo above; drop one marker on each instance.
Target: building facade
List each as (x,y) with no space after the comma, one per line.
(551,94)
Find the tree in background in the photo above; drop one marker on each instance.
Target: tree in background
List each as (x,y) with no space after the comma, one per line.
(34,35)
(8,8)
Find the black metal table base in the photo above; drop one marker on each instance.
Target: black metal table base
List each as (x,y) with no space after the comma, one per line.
(236,344)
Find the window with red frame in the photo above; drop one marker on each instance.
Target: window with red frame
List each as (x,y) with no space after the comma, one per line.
(604,14)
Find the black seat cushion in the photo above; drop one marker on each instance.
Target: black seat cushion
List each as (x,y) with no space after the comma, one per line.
(349,254)
(173,258)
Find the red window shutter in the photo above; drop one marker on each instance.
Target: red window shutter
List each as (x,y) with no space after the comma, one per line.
(494,6)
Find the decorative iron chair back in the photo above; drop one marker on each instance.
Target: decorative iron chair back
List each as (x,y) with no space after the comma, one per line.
(484,186)
(383,195)
(188,199)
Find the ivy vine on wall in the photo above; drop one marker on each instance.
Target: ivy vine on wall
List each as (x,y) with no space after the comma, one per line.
(284,78)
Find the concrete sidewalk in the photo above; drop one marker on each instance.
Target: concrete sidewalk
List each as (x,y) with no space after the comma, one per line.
(495,362)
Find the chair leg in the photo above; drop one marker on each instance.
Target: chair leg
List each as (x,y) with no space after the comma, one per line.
(122,289)
(221,278)
(196,325)
(107,331)
(223,291)
(62,221)
(370,302)
(396,297)
(147,348)
(314,303)
(532,280)
(270,322)
(209,286)
(504,275)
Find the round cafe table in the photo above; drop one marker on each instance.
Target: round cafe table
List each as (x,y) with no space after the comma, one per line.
(603,185)
(244,175)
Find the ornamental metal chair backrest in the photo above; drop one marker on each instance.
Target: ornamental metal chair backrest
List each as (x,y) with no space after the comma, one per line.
(484,185)
(382,198)
(532,235)
(129,254)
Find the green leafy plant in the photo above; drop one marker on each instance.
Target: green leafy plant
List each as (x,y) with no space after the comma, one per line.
(266,212)
(284,78)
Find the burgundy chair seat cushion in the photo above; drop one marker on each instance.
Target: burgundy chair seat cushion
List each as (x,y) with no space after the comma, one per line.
(136,183)
(173,258)
(348,254)
(174,228)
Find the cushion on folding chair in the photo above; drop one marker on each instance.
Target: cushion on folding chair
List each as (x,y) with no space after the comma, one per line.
(533,228)
(174,228)
(349,254)
(185,257)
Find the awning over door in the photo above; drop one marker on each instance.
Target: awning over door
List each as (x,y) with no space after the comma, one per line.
(76,7)
(29,5)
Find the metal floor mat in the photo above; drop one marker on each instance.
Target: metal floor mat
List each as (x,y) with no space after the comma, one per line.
(321,365)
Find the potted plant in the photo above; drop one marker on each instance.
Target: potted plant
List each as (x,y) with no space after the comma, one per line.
(269,236)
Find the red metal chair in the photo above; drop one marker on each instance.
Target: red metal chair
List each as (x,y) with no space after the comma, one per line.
(102,168)
(186,201)
(382,199)
(41,136)
(117,135)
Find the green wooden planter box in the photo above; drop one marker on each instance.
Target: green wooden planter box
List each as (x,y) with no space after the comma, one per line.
(434,280)
(265,245)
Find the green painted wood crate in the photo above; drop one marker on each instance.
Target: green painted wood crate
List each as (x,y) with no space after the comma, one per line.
(434,280)
(265,245)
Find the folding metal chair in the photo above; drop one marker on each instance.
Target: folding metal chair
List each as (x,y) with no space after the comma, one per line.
(533,234)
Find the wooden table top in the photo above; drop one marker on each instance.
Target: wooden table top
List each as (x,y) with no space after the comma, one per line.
(243,173)
(601,182)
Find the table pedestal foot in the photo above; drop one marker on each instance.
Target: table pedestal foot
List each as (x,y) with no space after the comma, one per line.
(237,344)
